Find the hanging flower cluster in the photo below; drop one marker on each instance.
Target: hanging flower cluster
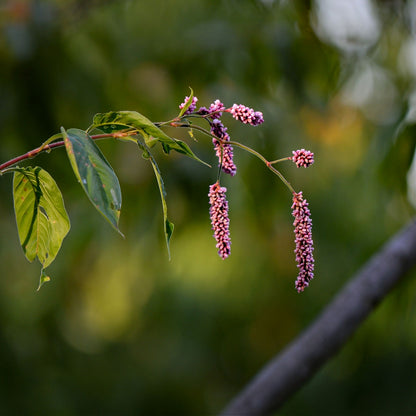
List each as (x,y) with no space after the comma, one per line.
(219,219)
(217,199)
(223,150)
(303,241)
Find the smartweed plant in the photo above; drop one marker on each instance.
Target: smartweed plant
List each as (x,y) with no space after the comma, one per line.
(43,222)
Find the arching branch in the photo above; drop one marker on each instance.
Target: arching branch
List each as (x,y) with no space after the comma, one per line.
(301,359)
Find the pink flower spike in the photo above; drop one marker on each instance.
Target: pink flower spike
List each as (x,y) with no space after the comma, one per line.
(302,158)
(223,151)
(225,156)
(219,219)
(192,107)
(303,241)
(246,114)
(216,107)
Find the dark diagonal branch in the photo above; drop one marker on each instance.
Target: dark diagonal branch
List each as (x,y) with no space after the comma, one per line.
(301,359)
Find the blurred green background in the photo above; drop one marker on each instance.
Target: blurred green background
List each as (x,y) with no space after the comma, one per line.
(120,329)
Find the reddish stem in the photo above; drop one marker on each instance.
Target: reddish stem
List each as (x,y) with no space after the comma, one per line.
(35,152)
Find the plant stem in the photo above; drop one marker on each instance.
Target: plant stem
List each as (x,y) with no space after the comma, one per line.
(247,149)
(280,160)
(262,158)
(48,147)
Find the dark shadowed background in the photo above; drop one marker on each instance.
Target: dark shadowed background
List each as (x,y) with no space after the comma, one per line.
(120,329)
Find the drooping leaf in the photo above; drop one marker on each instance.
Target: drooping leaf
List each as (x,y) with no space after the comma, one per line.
(187,104)
(94,173)
(122,120)
(41,218)
(167,225)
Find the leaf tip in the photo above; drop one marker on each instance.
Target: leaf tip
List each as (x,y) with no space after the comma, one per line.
(118,230)
(169,226)
(44,278)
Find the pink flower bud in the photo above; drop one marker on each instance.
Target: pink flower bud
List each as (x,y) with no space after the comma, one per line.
(302,158)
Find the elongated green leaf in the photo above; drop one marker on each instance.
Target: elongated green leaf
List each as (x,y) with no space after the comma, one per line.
(118,120)
(41,218)
(121,120)
(94,173)
(167,225)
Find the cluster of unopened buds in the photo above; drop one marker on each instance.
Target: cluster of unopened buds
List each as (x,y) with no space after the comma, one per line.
(217,194)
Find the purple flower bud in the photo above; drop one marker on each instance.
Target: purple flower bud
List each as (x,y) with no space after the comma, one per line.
(223,151)
(218,129)
(257,118)
(219,219)
(203,111)
(192,107)
(303,241)
(246,114)
(302,158)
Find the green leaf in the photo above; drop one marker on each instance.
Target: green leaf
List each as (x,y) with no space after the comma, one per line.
(42,221)
(187,104)
(167,225)
(122,120)
(94,173)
